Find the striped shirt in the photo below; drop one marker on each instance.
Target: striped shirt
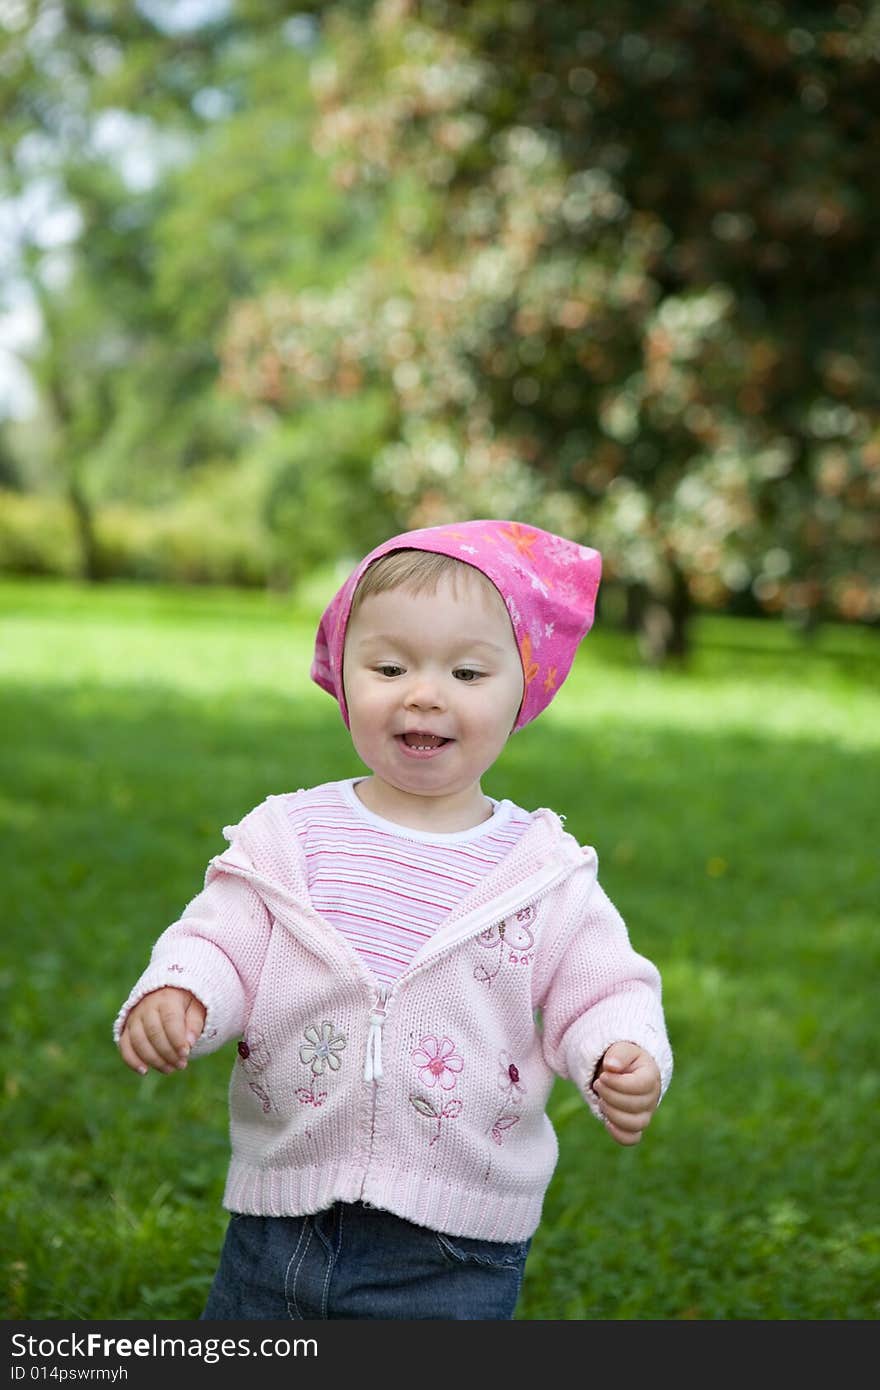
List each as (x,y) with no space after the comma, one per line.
(386,887)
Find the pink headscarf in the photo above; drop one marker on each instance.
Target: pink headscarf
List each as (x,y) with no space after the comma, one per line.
(548,585)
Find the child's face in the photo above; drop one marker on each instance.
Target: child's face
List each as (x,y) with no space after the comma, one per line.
(433,683)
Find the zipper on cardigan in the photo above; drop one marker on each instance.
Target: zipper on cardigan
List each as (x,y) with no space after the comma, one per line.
(529,890)
(373,1068)
(539,884)
(373,1059)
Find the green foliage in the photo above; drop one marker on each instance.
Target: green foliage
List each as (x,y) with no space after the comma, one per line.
(637,273)
(221,206)
(202,539)
(37,535)
(319,498)
(608,268)
(732,810)
(301,492)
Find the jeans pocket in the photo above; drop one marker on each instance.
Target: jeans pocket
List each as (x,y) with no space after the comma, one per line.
(496,1254)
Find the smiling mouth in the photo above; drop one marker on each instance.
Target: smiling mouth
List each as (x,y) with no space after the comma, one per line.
(423,743)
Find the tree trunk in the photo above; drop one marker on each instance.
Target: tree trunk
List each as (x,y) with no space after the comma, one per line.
(91,564)
(663,622)
(90,551)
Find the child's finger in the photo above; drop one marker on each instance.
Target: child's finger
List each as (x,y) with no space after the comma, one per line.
(171,1009)
(621,1135)
(626,1102)
(618,1095)
(194,1019)
(150,1043)
(635,1120)
(641,1081)
(129,1056)
(627,1122)
(620,1056)
(137,1052)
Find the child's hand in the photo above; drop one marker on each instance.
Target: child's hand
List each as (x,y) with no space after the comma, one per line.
(627,1083)
(161,1029)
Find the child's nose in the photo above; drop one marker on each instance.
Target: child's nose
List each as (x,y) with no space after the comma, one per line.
(424,692)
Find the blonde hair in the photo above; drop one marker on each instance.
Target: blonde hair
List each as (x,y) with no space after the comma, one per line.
(419,571)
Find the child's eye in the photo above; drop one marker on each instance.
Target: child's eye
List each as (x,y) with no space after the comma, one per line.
(464,673)
(388,669)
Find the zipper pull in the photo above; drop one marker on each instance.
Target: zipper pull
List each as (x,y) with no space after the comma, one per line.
(373,1061)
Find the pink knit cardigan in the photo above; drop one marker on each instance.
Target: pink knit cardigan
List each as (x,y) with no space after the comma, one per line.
(428,1099)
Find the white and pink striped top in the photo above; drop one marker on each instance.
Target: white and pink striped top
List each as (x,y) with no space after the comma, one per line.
(386,887)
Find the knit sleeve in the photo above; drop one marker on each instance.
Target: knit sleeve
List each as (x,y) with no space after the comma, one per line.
(216,950)
(600,991)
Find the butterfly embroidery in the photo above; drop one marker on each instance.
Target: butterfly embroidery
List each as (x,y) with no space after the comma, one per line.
(513,932)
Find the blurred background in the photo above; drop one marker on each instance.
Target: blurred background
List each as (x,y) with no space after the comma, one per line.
(278,281)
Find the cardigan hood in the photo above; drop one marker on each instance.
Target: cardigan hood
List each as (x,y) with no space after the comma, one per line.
(427,1098)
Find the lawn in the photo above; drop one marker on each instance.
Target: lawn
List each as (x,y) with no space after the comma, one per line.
(734,810)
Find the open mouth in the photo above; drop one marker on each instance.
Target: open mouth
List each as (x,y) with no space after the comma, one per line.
(423,743)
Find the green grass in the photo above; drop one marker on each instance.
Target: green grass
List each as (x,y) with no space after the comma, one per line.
(734,809)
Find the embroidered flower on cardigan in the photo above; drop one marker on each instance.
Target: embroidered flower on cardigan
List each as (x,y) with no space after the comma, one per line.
(322,1048)
(253,1053)
(509,1080)
(437,1061)
(449,1110)
(501,1124)
(310,1096)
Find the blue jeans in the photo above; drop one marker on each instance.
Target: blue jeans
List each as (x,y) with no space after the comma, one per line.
(357,1261)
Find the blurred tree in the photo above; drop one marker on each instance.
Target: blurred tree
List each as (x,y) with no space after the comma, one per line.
(84,179)
(255,213)
(627,286)
(9,475)
(158,172)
